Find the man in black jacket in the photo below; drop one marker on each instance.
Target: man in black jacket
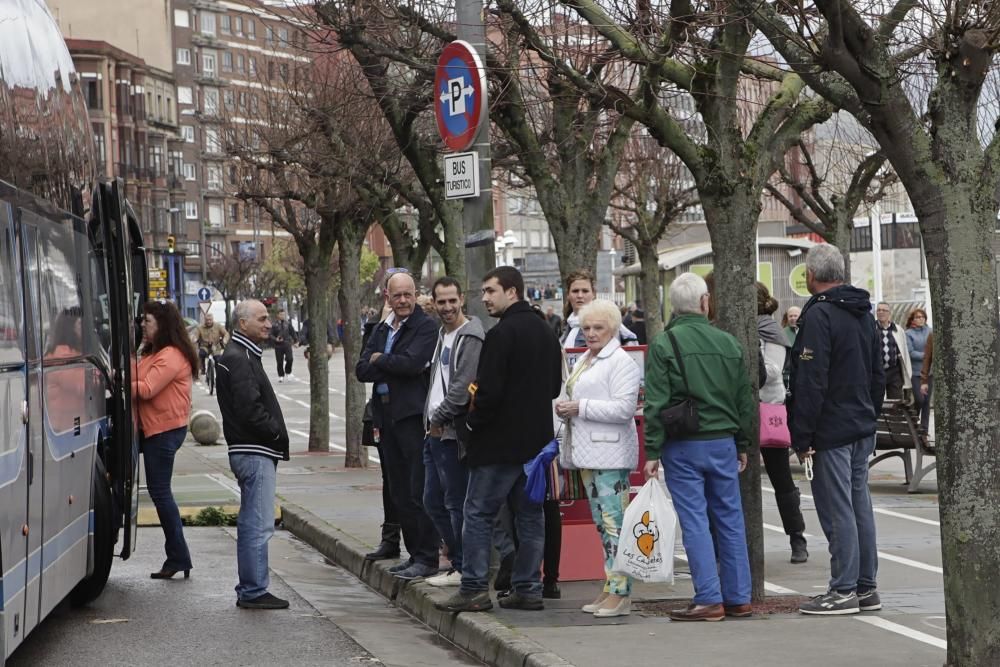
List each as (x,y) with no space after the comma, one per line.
(836,389)
(283,335)
(520,372)
(255,433)
(396,359)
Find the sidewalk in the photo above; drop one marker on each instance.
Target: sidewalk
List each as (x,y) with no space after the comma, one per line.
(339,511)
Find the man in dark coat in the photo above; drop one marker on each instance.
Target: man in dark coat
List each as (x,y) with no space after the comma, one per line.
(396,359)
(510,421)
(283,335)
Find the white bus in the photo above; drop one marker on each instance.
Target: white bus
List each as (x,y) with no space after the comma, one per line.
(72,281)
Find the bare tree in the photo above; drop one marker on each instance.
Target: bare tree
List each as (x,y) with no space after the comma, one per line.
(921,77)
(653,189)
(231,276)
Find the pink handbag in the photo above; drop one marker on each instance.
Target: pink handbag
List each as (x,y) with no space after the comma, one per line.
(774,426)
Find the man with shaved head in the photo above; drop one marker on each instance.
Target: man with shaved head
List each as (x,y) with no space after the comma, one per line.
(257,438)
(396,360)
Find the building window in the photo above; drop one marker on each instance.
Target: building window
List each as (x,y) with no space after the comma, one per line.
(189,172)
(183,56)
(268,35)
(215,215)
(232,174)
(211,101)
(191,210)
(99,143)
(156,160)
(238,25)
(182,19)
(234,213)
(208,23)
(283,36)
(252,65)
(224,24)
(227,61)
(212,144)
(214,248)
(229,99)
(208,63)
(187,131)
(185,95)
(241,65)
(214,174)
(92,91)
(251,29)
(176,163)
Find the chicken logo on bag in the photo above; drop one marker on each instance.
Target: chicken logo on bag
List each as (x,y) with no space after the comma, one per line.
(646,534)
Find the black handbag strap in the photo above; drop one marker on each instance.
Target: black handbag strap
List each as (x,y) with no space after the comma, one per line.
(680,361)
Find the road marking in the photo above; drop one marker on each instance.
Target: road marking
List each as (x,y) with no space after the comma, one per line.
(306,405)
(225,483)
(302,434)
(881,554)
(877,510)
(904,631)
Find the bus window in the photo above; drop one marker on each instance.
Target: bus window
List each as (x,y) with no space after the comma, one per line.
(10,311)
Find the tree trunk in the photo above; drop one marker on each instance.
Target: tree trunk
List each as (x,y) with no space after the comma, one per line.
(732,225)
(843,225)
(649,263)
(316,262)
(966,353)
(453,250)
(350,238)
(576,238)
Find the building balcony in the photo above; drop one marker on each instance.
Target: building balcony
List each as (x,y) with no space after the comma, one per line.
(211,79)
(211,41)
(211,5)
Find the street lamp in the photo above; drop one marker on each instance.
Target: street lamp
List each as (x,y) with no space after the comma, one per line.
(613,255)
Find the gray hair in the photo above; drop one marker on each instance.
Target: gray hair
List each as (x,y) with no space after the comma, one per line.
(600,310)
(686,292)
(243,309)
(826,263)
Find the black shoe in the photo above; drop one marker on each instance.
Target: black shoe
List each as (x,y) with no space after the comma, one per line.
(799,552)
(466,602)
(265,601)
(385,551)
(517,601)
(502,581)
(551,590)
(399,567)
(416,571)
(167,573)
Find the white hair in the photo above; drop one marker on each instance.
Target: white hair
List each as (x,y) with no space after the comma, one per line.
(243,310)
(826,263)
(685,293)
(601,311)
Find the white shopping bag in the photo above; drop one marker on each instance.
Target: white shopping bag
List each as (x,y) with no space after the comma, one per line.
(646,539)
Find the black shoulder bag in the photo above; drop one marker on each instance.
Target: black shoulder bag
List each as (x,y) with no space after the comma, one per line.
(680,420)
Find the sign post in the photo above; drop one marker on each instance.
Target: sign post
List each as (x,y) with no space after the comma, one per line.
(462,118)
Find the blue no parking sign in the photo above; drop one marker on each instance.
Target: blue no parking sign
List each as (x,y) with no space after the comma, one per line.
(460,95)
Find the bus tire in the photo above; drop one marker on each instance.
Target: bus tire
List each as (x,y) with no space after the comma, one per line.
(104,542)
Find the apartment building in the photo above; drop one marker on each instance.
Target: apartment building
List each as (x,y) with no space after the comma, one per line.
(133,115)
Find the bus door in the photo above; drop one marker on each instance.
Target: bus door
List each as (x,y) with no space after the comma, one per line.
(13,440)
(31,280)
(109,211)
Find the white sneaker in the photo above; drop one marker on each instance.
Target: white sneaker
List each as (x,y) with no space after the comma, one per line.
(449,578)
(291,377)
(281,379)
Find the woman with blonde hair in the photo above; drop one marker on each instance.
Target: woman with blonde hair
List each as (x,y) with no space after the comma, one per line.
(600,440)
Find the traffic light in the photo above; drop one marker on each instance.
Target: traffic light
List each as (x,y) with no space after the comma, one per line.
(170,243)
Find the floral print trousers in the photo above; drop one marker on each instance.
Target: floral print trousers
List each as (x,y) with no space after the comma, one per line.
(607,493)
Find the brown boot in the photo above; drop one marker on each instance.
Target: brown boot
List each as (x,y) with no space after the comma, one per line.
(699,612)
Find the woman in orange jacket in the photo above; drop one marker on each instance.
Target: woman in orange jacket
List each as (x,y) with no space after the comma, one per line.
(168,365)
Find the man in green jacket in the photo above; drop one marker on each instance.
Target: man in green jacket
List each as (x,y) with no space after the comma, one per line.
(702,469)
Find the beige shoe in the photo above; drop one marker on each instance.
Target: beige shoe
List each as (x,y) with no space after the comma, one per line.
(595,605)
(623,608)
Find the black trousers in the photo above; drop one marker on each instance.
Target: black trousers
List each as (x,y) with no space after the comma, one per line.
(402,448)
(553,541)
(894,382)
(786,494)
(389,514)
(283,355)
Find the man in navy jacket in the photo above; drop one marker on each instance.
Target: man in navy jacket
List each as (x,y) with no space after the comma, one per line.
(396,359)
(836,388)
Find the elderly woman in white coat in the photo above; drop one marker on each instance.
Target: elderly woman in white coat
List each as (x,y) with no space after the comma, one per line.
(600,439)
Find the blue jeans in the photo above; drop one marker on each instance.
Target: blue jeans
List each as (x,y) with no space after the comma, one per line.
(158,453)
(844,507)
(703,479)
(490,486)
(257,476)
(445,481)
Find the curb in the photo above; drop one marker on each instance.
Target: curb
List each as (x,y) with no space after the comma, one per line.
(481,635)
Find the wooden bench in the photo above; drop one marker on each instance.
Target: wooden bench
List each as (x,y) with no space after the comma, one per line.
(898,434)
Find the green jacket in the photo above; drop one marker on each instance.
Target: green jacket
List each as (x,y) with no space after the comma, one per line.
(716,376)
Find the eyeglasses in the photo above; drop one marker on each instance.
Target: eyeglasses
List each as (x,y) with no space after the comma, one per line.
(396,269)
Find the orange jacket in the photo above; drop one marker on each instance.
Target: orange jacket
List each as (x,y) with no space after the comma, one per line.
(163,386)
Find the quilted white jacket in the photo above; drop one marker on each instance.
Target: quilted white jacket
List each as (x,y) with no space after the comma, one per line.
(603,436)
